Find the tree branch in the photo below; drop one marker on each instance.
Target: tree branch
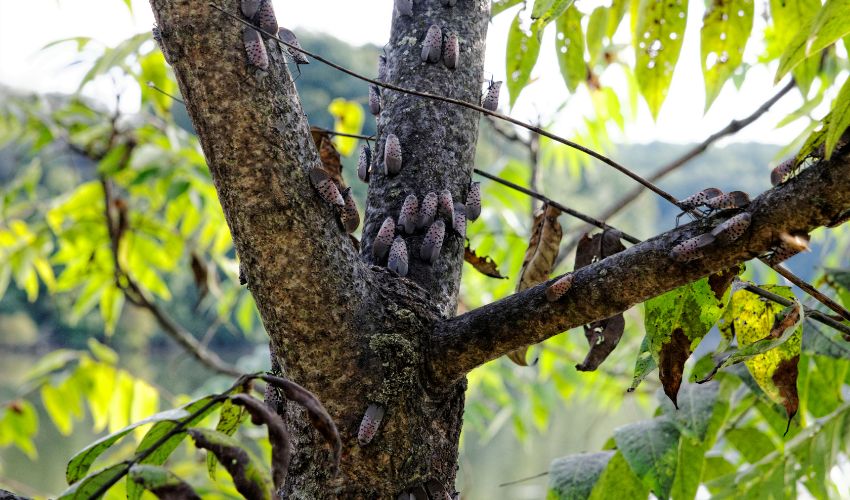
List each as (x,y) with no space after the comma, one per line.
(812,199)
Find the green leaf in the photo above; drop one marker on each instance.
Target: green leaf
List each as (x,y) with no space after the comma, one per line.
(521,56)
(500,6)
(55,402)
(161,482)
(51,362)
(689,467)
(618,481)
(540,7)
(102,352)
(659,32)
(644,364)
(86,487)
(725,31)
(115,57)
(701,412)
(574,476)
(348,119)
(556,8)
(831,23)
(250,476)
(230,418)
(752,443)
(569,44)
(18,425)
(81,462)
(789,18)
(597,25)
(651,449)
(840,117)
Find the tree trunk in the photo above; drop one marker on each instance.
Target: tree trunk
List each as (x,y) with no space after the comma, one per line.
(357,334)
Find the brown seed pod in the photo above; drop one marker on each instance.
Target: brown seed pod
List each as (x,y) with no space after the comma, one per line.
(451,51)
(433,242)
(364,162)
(392,155)
(384,239)
(404,7)
(289,37)
(428,210)
(326,187)
(699,199)
(249,8)
(374,100)
(432,44)
(691,249)
(735,199)
(459,220)
(445,205)
(397,261)
(782,171)
(255,48)
(733,228)
(473,201)
(266,18)
(557,289)
(370,423)
(349,215)
(409,215)
(491,98)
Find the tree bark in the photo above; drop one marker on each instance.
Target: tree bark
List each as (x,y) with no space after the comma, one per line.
(342,325)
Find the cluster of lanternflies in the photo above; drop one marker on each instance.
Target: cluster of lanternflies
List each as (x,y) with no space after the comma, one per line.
(261,13)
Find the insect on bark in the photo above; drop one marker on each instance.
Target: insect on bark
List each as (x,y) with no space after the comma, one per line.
(384,239)
(451,51)
(364,162)
(374,100)
(255,48)
(433,242)
(266,18)
(733,228)
(445,206)
(349,216)
(289,37)
(691,249)
(392,155)
(397,261)
(326,187)
(432,44)
(491,98)
(557,289)
(369,424)
(409,215)
(473,201)
(428,210)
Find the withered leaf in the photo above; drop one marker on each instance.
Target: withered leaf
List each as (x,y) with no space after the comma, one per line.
(278,436)
(331,162)
(482,263)
(539,259)
(318,415)
(249,477)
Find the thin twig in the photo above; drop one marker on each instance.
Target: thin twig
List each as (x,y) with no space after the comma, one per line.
(343,134)
(812,313)
(475,107)
(545,199)
(809,289)
(733,127)
(153,86)
(517,481)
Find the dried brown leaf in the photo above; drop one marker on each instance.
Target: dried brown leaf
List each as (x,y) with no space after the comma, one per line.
(278,436)
(331,162)
(482,263)
(671,363)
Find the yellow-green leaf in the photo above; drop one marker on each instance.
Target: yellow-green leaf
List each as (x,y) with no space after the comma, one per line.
(831,23)
(839,118)
(659,32)
(725,30)
(348,119)
(521,56)
(569,44)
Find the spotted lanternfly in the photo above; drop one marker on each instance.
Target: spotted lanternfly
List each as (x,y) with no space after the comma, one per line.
(432,45)
(459,220)
(445,206)
(384,239)
(370,423)
(698,199)
(491,98)
(249,8)
(289,37)
(397,261)
(404,7)
(349,216)
(364,163)
(374,100)
(266,18)
(433,242)
(735,199)
(781,171)
(255,48)
(557,289)
(392,155)
(473,201)
(691,249)
(733,228)
(409,215)
(451,51)
(326,187)
(428,210)
(789,246)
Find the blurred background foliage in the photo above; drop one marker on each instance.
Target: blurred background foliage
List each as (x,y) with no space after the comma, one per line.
(79,359)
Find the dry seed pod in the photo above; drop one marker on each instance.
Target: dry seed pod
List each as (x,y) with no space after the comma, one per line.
(459,220)
(374,100)
(392,155)
(699,199)
(397,261)
(433,242)
(735,199)
(289,37)
(349,216)
(733,228)
(404,7)
(409,215)
(249,8)
(445,206)
(255,48)
(364,162)
(266,18)
(451,51)
(491,98)
(691,249)
(557,289)
(473,201)
(370,423)
(781,172)
(326,187)
(428,210)
(384,239)
(432,44)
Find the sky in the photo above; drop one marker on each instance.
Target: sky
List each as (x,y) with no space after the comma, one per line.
(24,65)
